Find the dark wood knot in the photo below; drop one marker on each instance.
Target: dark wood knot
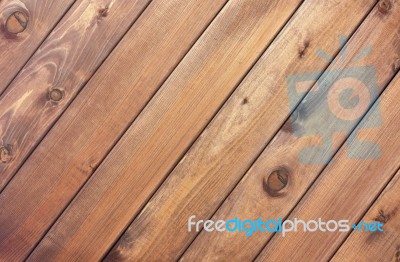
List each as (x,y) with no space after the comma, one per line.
(56,94)
(384,6)
(275,183)
(5,154)
(17,22)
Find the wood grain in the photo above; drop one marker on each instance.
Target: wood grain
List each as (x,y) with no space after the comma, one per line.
(383,246)
(223,152)
(251,199)
(45,87)
(56,73)
(164,130)
(78,142)
(24,24)
(346,189)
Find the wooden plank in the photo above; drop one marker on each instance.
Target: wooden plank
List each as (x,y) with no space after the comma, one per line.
(77,143)
(56,73)
(231,142)
(346,188)
(164,130)
(378,246)
(24,25)
(253,198)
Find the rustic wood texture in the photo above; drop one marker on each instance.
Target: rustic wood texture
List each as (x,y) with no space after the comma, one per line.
(164,130)
(251,199)
(342,190)
(379,246)
(24,24)
(120,119)
(231,142)
(57,72)
(77,143)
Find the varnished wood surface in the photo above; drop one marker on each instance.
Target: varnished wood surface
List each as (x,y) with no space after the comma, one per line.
(120,119)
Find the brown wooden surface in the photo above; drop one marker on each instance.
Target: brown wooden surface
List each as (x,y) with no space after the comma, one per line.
(28,206)
(24,24)
(166,127)
(378,246)
(229,144)
(283,151)
(124,118)
(56,73)
(345,190)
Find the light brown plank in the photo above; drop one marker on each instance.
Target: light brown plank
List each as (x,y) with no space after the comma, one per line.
(345,189)
(167,126)
(56,73)
(234,138)
(99,115)
(252,198)
(377,246)
(24,24)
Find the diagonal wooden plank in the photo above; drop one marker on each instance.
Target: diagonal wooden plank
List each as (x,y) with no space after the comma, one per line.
(234,138)
(257,196)
(56,73)
(24,25)
(84,134)
(377,246)
(346,188)
(165,129)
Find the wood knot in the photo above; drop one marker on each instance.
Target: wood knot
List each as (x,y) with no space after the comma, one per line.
(17,22)
(245,101)
(384,6)
(303,49)
(276,181)
(56,95)
(103,12)
(382,217)
(6,153)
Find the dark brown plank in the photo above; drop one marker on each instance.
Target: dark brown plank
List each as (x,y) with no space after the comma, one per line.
(97,118)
